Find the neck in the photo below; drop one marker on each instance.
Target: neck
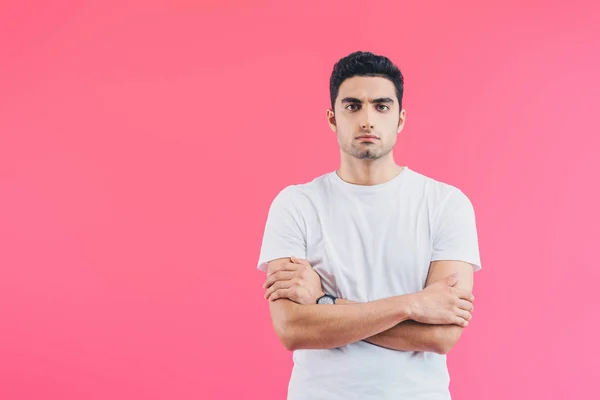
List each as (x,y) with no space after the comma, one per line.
(368,172)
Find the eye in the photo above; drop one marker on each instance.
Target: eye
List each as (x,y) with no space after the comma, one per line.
(352,105)
(383,105)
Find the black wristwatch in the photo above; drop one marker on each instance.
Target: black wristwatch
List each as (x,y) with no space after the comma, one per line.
(326,299)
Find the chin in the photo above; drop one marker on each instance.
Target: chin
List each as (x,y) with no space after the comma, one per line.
(368,155)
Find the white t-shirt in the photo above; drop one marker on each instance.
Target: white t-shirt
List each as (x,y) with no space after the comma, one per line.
(368,243)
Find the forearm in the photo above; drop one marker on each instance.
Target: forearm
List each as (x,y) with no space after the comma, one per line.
(414,336)
(313,326)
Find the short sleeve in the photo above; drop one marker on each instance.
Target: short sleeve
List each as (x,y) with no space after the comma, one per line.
(455,231)
(284,234)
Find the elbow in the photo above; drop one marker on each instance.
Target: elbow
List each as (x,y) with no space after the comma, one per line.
(290,324)
(447,338)
(288,341)
(289,345)
(286,333)
(443,348)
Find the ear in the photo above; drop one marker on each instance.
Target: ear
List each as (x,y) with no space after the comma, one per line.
(331,120)
(401,121)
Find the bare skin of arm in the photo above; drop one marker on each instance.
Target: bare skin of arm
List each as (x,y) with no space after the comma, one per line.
(414,336)
(303,324)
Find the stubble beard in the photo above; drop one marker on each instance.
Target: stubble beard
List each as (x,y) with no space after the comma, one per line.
(368,153)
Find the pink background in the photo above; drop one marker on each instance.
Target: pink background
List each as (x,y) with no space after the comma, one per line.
(141,145)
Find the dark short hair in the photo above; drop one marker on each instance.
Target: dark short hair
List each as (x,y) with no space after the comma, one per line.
(364,63)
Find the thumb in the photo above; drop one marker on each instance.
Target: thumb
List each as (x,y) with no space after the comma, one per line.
(452,279)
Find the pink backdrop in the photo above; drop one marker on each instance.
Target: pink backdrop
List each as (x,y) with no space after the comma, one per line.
(141,145)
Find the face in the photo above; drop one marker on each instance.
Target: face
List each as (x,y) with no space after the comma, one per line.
(366,118)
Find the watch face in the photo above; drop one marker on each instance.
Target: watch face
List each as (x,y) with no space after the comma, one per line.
(325,300)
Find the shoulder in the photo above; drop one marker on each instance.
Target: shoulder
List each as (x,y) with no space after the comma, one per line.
(295,192)
(300,195)
(439,194)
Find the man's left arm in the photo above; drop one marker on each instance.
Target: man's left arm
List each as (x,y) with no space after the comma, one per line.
(414,336)
(455,250)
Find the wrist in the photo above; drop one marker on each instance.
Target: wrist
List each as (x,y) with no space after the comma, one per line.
(318,296)
(405,309)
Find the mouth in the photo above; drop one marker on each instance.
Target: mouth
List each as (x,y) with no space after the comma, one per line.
(367,137)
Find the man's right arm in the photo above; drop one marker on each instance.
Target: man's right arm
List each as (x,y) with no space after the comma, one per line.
(322,326)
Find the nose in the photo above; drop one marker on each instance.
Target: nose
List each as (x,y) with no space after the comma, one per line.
(367,122)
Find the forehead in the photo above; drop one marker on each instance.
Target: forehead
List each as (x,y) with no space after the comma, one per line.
(364,87)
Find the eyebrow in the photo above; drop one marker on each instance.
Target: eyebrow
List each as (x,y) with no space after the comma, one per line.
(372,101)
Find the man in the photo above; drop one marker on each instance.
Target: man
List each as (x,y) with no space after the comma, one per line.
(370,267)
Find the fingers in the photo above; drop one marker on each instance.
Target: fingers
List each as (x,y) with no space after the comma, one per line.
(280,294)
(461,322)
(465,305)
(464,294)
(297,260)
(276,286)
(464,310)
(278,276)
(463,314)
(284,267)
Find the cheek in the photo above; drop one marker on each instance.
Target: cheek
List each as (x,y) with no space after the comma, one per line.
(344,130)
(347,120)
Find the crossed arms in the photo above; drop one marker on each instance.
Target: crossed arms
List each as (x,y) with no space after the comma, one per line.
(429,320)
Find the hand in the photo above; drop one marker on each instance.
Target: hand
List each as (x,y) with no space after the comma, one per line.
(296,281)
(442,303)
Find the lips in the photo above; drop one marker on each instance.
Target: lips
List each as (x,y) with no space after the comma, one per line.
(367,137)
